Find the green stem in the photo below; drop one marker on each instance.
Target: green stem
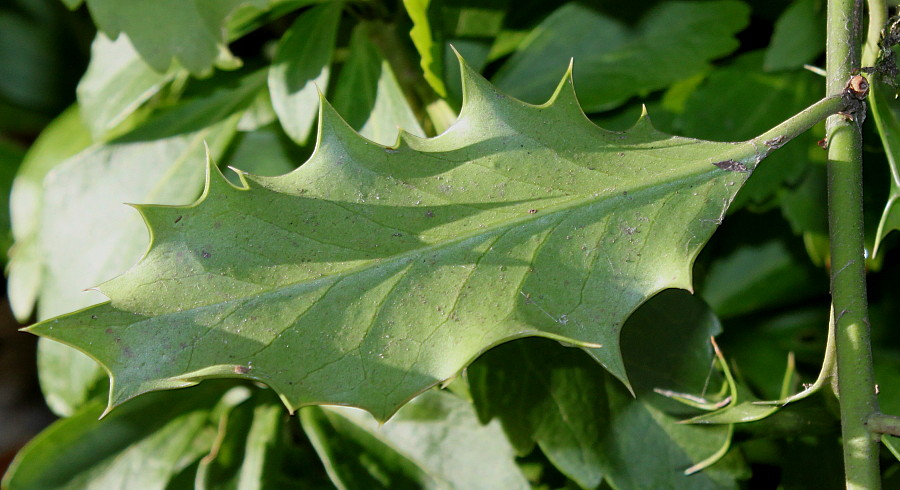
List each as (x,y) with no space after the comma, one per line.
(880,423)
(856,379)
(800,122)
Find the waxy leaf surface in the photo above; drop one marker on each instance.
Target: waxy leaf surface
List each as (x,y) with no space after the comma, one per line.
(370,273)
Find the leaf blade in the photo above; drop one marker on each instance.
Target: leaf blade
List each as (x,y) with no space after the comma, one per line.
(507,238)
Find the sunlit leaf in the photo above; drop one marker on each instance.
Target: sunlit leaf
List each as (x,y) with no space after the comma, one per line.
(370,273)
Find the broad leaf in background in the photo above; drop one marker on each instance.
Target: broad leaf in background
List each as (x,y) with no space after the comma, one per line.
(578,415)
(301,68)
(61,139)
(368,96)
(86,235)
(247,448)
(264,151)
(116,83)
(143,445)
(434,441)
(886,113)
(799,36)
(187,31)
(674,41)
(755,277)
(370,273)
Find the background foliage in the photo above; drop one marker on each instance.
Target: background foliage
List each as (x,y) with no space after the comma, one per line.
(243,77)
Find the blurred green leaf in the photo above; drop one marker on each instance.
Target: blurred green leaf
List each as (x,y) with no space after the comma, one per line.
(142,445)
(368,96)
(187,31)
(265,151)
(116,83)
(434,441)
(247,446)
(613,63)
(61,139)
(801,205)
(42,52)
(10,157)
(588,425)
(753,278)
(799,36)
(301,69)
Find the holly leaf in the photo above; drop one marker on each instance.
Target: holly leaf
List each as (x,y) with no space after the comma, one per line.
(372,273)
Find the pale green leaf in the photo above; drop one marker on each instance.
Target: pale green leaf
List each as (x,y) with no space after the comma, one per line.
(11,156)
(187,31)
(424,37)
(368,96)
(438,434)
(370,274)
(674,41)
(64,137)
(86,235)
(799,36)
(116,83)
(143,445)
(301,69)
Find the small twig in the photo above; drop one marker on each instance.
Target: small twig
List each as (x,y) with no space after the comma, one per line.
(880,423)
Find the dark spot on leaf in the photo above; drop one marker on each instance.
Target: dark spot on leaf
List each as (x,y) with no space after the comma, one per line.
(532,211)
(731,166)
(205,254)
(429,214)
(241,369)
(397,234)
(93,317)
(178,219)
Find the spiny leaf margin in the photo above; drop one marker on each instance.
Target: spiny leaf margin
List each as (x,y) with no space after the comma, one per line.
(504,238)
